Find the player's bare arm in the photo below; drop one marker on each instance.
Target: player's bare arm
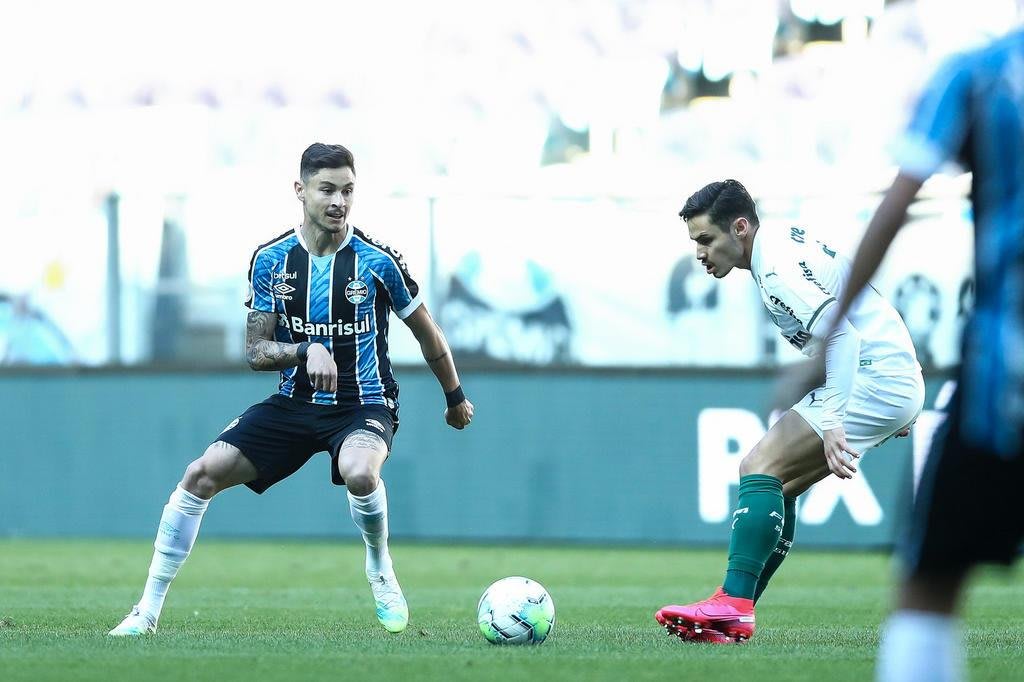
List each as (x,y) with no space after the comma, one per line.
(438,355)
(887,221)
(261,351)
(264,353)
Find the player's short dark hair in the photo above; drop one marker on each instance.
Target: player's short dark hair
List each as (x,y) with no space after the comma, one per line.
(319,155)
(723,202)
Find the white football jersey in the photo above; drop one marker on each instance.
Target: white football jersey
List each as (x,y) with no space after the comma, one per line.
(800,279)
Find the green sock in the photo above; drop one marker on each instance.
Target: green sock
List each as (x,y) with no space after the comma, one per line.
(781,549)
(756,528)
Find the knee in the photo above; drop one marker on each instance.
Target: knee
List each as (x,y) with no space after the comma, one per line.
(361,480)
(199,480)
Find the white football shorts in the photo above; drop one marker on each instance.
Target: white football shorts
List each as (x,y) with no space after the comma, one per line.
(879,406)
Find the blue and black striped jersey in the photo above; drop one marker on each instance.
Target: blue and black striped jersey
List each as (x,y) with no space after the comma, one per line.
(341,301)
(972,112)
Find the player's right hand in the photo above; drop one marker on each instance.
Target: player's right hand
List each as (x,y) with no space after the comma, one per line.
(459,416)
(836,449)
(321,368)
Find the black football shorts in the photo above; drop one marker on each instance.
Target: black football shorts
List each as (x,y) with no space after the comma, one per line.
(280,434)
(967,508)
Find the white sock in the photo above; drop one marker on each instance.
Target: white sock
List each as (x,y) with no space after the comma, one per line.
(370,513)
(919,645)
(179,526)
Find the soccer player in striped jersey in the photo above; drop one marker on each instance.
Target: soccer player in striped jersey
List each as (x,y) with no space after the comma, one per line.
(872,390)
(967,509)
(320,297)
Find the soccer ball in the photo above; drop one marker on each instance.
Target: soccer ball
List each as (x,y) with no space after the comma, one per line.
(516,611)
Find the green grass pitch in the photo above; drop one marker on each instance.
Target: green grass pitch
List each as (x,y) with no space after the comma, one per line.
(290,610)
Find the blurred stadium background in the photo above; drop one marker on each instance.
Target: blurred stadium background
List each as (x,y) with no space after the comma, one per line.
(516,153)
(529,159)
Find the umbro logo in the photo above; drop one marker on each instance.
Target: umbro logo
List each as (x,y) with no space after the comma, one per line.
(284,288)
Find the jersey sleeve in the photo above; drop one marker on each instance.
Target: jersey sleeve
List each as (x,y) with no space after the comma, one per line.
(402,289)
(938,125)
(260,296)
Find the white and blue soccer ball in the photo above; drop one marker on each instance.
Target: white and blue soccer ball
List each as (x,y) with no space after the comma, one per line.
(516,610)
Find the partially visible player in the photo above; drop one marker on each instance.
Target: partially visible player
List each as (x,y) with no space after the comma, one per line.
(320,297)
(967,510)
(872,390)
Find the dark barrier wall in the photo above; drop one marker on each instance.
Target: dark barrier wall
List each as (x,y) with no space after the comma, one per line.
(632,457)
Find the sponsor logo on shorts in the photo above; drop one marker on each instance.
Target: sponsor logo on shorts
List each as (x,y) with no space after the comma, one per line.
(373,423)
(233,424)
(356,291)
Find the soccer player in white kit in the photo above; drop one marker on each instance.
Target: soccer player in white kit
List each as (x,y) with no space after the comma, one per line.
(872,390)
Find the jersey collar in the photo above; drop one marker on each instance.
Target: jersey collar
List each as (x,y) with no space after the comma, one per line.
(344,242)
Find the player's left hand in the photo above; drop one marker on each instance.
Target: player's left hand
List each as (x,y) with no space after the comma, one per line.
(836,450)
(459,416)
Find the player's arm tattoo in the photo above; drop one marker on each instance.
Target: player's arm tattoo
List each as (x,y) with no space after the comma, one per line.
(261,351)
(440,356)
(437,353)
(434,347)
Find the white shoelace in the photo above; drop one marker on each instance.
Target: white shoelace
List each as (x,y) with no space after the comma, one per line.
(387,592)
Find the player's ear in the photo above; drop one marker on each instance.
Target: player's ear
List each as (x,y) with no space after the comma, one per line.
(739,226)
(299,190)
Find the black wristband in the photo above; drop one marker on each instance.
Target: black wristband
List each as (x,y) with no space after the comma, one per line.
(454,396)
(302,352)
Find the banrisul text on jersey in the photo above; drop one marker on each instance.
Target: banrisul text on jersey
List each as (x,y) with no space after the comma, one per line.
(342,301)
